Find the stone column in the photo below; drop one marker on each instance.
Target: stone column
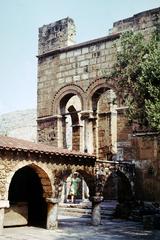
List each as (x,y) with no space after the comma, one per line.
(60,130)
(52,213)
(83,197)
(113,120)
(96,210)
(87,116)
(3,204)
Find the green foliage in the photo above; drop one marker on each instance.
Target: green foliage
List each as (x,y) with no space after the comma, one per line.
(137,71)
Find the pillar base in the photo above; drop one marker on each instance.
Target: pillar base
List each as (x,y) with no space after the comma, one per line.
(96,210)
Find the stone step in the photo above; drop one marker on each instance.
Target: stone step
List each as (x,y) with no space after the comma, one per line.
(74,213)
(85,209)
(86,214)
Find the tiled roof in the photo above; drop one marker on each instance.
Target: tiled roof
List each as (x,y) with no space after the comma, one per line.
(13,144)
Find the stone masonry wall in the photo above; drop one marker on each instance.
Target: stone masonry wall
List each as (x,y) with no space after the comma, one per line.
(144,21)
(56,35)
(65,70)
(80,66)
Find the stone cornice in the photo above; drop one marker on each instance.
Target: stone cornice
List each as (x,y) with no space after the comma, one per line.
(80,45)
(48,118)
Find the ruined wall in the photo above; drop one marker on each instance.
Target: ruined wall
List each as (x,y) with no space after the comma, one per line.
(145,22)
(65,71)
(146,148)
(80,66)
(56,35)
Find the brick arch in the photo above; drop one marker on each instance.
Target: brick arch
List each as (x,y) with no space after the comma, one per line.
(64,93)
(42,174)
(61,175)
(121,171)
(125,181)
(89,179)
(98,85)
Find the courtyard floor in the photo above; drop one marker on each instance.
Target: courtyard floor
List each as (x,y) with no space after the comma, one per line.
(74,228)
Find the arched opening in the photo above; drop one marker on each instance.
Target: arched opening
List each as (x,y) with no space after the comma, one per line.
(105,128)
(83,189)
(26,197)
(75,188)
(117,188)
(71,123)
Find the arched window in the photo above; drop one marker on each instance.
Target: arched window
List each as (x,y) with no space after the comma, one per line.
(71,122)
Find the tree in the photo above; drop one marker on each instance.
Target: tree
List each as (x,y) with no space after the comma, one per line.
(137,72)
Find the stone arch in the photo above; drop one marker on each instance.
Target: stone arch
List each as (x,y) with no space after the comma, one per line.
(43,173)
(73,131)
(61,176)
(28,192)
(102,102)
(64,94)
(118,187)
(89,179)
(96,88)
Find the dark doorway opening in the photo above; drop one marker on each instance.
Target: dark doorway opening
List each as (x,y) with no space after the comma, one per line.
(26,188)
(118,188)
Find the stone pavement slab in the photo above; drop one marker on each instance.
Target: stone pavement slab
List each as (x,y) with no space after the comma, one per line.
(73,228)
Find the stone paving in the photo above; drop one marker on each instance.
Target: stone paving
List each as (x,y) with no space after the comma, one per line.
(74,228)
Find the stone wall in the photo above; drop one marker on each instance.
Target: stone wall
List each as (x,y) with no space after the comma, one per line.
(66,71)
(146,149)
(80,66)
(56,35)
(144,21)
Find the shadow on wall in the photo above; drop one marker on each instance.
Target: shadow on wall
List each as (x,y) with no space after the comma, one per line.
(117,188)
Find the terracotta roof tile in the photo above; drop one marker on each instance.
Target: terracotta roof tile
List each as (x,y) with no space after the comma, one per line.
(9,143)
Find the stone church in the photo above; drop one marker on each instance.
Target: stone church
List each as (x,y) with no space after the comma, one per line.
(78,109)
(82,127)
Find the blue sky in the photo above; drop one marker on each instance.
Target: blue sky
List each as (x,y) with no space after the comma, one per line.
(20,20)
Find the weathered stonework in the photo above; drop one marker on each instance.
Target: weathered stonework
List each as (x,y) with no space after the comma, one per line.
(33,176)
(56,35)
(27,168)
(65,71)
(73,91)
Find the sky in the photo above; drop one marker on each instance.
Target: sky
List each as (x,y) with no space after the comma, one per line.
(20,20)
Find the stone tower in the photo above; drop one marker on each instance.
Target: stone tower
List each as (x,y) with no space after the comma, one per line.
(79,109)
(56,35)
(74,100)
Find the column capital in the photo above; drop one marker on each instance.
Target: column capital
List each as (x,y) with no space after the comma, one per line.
(87,114)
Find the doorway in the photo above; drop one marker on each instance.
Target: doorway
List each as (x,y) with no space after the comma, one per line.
(26,199)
